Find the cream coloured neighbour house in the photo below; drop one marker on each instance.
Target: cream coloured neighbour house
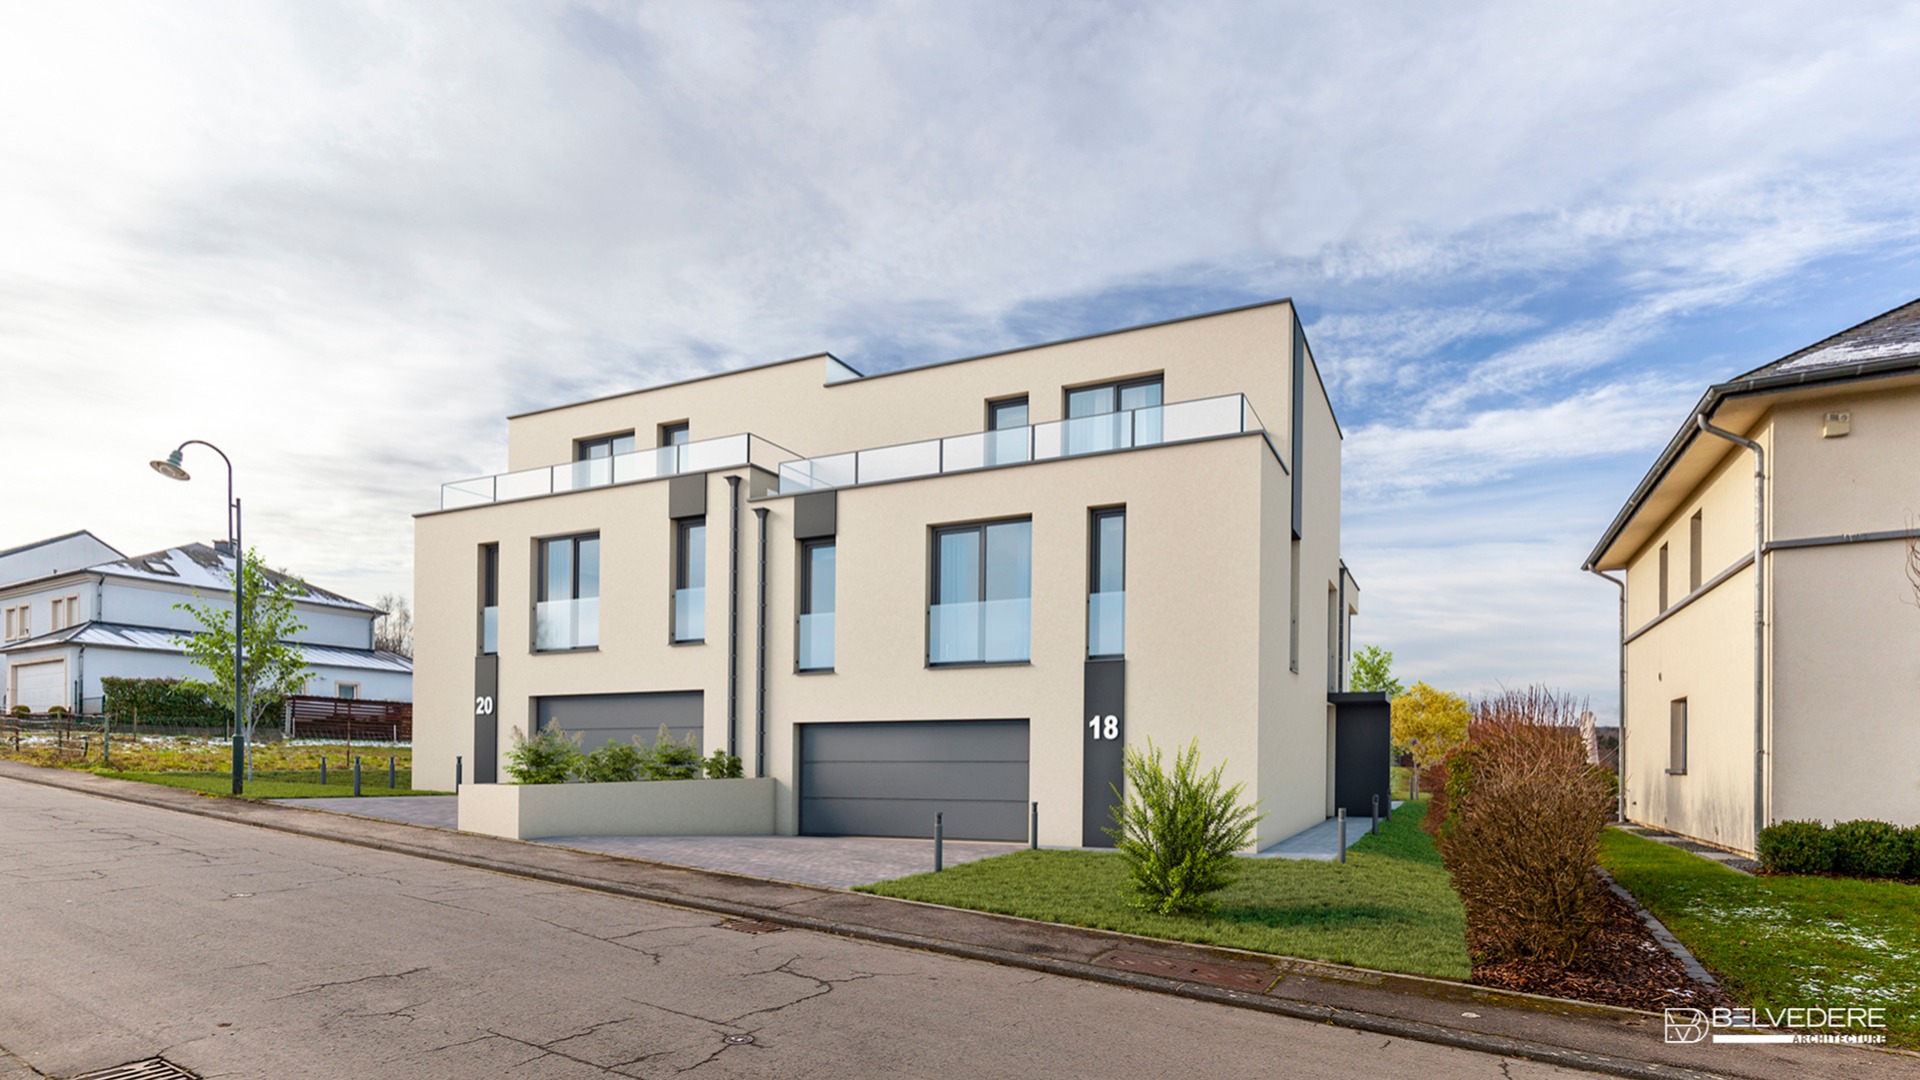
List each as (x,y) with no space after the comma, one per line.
(959,588)
(1786,691)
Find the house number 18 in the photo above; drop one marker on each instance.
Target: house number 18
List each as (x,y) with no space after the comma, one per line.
(1104,727)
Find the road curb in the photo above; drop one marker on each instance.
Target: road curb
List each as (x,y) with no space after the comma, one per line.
(297,823)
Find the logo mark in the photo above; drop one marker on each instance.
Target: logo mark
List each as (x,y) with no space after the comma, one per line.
(1686,1025)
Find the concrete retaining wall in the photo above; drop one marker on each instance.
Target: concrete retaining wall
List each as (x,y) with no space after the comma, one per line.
(642,808)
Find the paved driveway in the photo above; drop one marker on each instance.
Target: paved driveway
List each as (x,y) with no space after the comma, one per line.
(836,861)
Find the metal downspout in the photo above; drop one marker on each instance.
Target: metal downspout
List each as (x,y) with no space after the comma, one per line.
(733,616)
(1621,780)
(760,662)
(1759,620)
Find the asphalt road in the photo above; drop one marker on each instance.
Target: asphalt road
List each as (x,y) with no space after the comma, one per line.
(128,932)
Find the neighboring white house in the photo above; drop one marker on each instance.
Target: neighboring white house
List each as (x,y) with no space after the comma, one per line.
(76,611)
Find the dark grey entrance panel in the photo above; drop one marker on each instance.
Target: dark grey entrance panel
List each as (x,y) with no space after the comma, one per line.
(486,719)
(1103,737)
(1362,752)
(889,778)
(600,719)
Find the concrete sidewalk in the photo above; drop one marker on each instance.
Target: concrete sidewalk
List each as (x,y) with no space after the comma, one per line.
(1616,1041)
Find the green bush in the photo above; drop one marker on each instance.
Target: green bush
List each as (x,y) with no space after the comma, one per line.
(156,699)
(1796,847)
(1178,832)
(550,757)
(1869,849)
(670,759)
(611,763)
(721,765)
(1912,837)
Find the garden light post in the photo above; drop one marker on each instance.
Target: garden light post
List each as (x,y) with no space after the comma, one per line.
(172,470)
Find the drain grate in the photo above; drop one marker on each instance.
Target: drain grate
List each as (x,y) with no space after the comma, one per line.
(150,1069)
(751,926)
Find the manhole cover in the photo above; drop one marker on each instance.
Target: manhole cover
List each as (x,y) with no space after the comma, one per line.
(150,1069)
(751,926)
(1249,978)
(739,1040)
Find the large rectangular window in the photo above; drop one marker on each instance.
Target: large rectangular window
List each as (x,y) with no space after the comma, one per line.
(1695,528)
(1677,738)
(982,595)
(489,599)
(567,612)
(817,572)
(1113,416)
(690,582)
(1107,585)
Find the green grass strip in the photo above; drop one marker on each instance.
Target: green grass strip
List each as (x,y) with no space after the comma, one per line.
(282,785)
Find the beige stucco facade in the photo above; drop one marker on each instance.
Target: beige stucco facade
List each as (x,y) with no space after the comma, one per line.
(1836,737)
(1211,636)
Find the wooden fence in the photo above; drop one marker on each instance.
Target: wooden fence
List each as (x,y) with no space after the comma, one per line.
(347,718)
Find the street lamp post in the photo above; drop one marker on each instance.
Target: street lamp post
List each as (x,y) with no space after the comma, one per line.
(172,470)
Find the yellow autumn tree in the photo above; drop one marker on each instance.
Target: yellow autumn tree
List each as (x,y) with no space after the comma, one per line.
(1428,723)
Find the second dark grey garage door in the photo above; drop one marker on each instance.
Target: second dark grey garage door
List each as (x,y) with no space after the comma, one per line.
(890,778)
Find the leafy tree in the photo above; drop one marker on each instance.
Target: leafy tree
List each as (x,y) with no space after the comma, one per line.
(1178,832)
(1372,670)
(272,667)
(1429,723)
(393,632)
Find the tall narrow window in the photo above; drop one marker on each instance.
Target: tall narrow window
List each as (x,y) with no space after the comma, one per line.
(1107,585)
(489,599)
(1663,577)
(1008,439)
(1333,641)
(1293,610)
(1694,561)
(690,582)
(1677,738)
(567,612)
(1113,416)
(816,605)
(982,594)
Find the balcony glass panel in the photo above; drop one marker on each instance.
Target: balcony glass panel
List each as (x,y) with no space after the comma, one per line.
(1195,419)
(835,470)
(708,454)
(648,464)
(475,492)
(566,624)
(1107,624)
(816,642)
(990,631)
(690,614)
(490,630)
(900,462)
(523,485)
(592,473)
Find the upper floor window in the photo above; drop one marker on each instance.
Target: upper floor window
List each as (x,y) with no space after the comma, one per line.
(1113,416)
(1694,563)
(593,458)
(489,599)
(567,612)
(690,581)
(1663,577)
(347,691)
(982,594)
(18,623)
(674,434)
(1677,737)
(1011,413)
(817,572)
(1107,585)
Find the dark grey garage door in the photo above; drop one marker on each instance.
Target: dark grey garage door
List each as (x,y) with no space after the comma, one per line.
(600,719)
(890,778)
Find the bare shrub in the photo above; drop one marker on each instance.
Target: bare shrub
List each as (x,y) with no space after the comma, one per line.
(1518,825)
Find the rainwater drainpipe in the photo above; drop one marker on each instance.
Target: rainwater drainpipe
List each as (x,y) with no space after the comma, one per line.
(760,660)
(733,617)
(1621,779)
(1759,620)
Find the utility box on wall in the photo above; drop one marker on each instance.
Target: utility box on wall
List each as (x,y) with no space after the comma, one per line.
(1362,752)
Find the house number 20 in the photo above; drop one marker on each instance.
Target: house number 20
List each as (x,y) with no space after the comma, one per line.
(483,706)
(1104,727)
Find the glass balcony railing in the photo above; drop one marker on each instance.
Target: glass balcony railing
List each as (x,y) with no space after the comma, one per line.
(689,614)
(980,632)
(566,624)
(816,642)
(1107,624)
(727,452)
(1183,421)
(489,630)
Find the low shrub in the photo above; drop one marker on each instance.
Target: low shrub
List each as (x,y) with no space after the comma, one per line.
(721,765)
(1796,847)
(1518,824)
(670,759)
(611,763)
(1912,837)
(1869,849)
(1178,832)
(551,757)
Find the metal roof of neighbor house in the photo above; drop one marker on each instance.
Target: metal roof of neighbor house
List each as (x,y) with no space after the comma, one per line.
(1886,345)
(160,639)
(199,566)
(55,540)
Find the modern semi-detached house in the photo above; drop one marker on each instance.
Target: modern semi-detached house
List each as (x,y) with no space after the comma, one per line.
(959,588)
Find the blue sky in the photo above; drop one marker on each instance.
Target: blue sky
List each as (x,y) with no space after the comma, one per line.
(344,241)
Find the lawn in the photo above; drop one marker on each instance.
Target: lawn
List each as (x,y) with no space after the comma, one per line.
(1780,942)
(283,784)
(1390,907)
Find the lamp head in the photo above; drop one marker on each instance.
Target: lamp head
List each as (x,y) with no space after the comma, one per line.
(170,468)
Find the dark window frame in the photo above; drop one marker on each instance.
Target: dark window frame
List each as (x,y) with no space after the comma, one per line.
(541,549)
(1116,388)
(489,594)
(682,575)
(1094,566)
(677,427)
(583,448)
(993,413)
(1696,526)
(807,605)
(1665,578)
(979,528)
